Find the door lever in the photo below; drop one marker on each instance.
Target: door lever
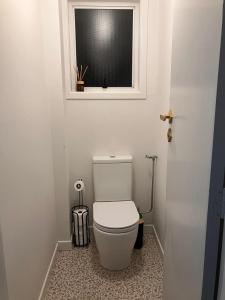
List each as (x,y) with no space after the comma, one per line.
(168,116)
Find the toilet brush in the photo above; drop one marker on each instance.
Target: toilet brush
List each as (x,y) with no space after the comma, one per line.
(139,240)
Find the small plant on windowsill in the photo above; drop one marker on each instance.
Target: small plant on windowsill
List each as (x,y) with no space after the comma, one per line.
(80,73)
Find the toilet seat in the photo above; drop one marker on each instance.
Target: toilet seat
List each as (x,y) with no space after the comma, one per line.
(116,216)
(115,230)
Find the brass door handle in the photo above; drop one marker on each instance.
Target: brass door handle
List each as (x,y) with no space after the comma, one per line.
(168,116)
(169,135)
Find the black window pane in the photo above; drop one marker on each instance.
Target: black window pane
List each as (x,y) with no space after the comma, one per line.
(104,39)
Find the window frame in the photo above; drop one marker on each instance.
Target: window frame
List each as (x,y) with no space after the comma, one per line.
(139,56)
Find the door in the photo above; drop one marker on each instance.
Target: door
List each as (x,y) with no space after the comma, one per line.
(219,167)
(194,73)
(214,266)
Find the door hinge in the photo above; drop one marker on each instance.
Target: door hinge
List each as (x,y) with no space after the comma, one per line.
(221,205)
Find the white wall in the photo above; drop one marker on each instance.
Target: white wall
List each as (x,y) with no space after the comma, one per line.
(27,208)
(53,78)
(121,127)
(165,49)
(31,81)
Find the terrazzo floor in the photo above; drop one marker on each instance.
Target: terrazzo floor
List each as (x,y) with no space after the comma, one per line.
(77,275)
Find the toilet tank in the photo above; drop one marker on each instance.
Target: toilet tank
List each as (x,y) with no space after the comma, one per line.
(112,178)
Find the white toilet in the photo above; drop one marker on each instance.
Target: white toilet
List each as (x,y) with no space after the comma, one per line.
(114,213)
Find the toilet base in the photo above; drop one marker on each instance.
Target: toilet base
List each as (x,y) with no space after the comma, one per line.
(115,249)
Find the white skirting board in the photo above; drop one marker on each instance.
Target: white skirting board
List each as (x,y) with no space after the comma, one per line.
(67,245)
(151,228)
(159,242)
(47,277)
(148,228)
(60,246)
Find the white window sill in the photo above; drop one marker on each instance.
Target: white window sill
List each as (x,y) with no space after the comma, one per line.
(140,54)
(108,93)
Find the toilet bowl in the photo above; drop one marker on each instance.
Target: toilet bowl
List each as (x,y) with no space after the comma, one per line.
(115,216)
(115,229)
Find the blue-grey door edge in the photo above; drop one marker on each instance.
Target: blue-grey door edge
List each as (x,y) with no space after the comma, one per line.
(216,207)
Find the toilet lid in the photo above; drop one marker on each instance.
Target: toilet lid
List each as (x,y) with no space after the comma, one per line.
(115,215)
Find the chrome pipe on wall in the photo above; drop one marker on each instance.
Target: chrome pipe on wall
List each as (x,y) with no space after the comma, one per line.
(153,158)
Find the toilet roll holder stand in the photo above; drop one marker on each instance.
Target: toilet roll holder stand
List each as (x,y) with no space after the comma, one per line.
(80,218)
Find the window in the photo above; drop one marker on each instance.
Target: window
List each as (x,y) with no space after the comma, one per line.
(104,43)
(111,39)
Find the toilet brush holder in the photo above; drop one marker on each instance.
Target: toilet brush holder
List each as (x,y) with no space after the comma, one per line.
(139,240)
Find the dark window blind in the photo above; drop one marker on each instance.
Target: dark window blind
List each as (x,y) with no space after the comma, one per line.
(104,39)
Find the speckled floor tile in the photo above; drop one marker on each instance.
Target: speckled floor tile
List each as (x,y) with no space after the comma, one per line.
(78,275)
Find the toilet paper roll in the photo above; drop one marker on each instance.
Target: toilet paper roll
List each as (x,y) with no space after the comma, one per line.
(79,185)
